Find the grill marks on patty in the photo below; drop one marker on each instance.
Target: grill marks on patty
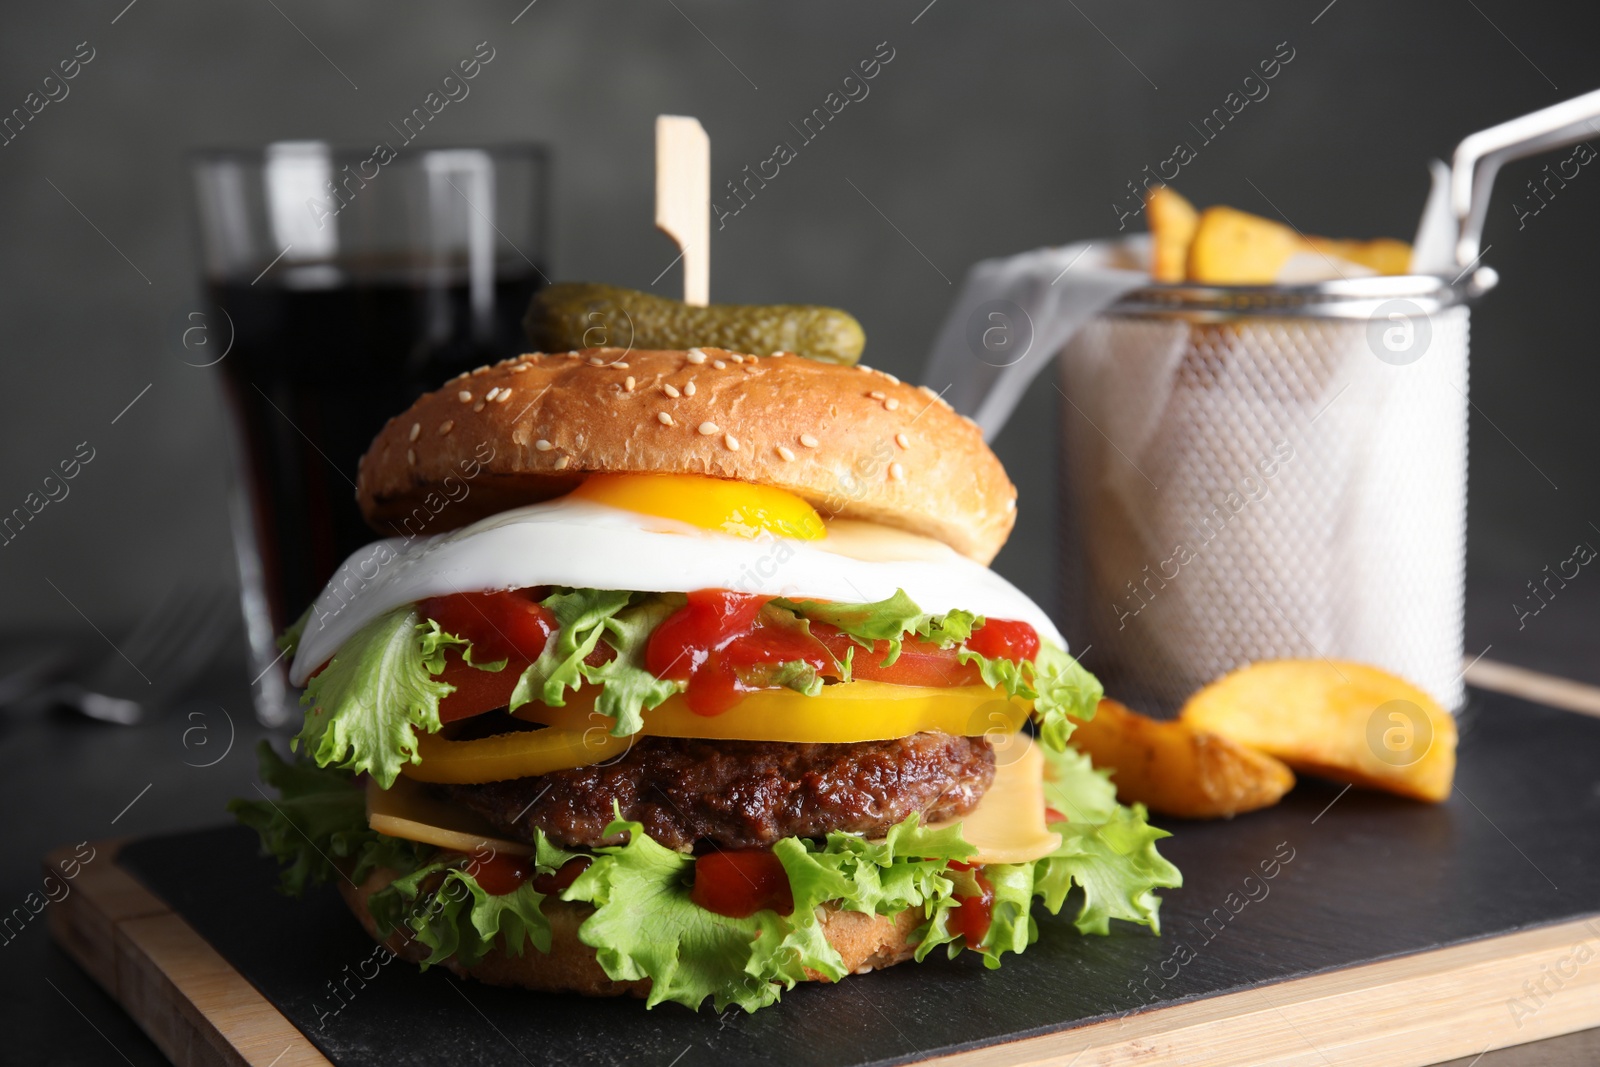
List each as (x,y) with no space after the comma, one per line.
(697,794)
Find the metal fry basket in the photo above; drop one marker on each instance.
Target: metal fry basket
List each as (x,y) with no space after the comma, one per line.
(1263,473)
(1255,473)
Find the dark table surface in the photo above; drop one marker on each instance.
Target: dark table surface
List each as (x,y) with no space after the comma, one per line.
(64,780)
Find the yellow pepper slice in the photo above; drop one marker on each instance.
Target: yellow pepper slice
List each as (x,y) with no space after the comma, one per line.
(514,755)
(852,711)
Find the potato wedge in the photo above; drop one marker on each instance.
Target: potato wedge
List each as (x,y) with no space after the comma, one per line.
(1172,768)
(1233,247)
(1384,255)
(1172,225)
(1347,721)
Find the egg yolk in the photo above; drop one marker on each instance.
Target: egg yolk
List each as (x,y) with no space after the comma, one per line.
(737,508)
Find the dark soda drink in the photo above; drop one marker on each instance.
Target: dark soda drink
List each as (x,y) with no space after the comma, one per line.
(313,374)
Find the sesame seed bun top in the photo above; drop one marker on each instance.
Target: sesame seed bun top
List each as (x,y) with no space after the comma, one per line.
(855,442)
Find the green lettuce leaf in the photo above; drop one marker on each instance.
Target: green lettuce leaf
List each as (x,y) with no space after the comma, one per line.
(1011,924)
(443,907)
(1107,850)
(585,617)
(645,926)
(581,616)
(1061,690)
(434,642)
(365,707)
(887,620)
(318,821)
(629,689)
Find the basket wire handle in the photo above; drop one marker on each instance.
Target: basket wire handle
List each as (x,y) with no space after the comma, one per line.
(1479,157)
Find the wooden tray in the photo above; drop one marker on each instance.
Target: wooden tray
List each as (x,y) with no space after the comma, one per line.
(1398,934)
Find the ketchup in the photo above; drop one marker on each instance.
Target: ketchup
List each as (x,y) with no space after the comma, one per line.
(971,920)
(501,873)
(561,878)
(718,642)
(1005,639)
(739,884)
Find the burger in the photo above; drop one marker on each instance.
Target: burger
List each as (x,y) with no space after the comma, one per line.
(683,674)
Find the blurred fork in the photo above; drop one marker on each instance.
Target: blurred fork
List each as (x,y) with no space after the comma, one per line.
(159,658)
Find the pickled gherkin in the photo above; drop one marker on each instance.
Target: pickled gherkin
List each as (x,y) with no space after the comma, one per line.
(578,315)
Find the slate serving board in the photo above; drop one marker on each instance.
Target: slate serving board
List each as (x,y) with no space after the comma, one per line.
(1354,877)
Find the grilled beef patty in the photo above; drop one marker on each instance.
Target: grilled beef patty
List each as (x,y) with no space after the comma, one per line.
(704,795)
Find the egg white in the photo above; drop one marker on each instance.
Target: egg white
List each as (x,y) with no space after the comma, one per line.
(582,544)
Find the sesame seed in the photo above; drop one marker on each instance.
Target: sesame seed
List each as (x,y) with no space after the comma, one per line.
(446,426)
(736,357)
(1011,505)
(889,405)
(807,440)
(663,418)
(416,429)
(465,396)
(628,383)
(694,355)
(897,472)
(574,352)
(519,368)
(688,388)
(561,464)
(709,428)
(776,355)
(889,376)
(863,368)
(876,395)
(596,361)
(505,394)
(411,456)
(542,445)
(491,394)
(624,366)
(717,363)
(478,406)
(671,390)
(480,370)
(731,441)
(786,453)
(902,440)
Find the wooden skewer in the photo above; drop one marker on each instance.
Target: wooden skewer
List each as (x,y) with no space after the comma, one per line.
(683,199)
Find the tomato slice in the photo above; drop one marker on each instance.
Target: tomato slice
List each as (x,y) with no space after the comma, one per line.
(477,691)
(739,884)
(510,624)
(973,917)
(919,662)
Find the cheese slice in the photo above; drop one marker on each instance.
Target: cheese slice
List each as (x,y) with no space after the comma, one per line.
(406,811)
(1007,826)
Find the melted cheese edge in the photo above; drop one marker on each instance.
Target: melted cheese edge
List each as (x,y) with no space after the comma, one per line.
(1007,826)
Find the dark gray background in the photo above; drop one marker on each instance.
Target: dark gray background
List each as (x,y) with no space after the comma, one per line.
(996,128)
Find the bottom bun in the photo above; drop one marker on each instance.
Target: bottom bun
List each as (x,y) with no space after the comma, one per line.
(864,942)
